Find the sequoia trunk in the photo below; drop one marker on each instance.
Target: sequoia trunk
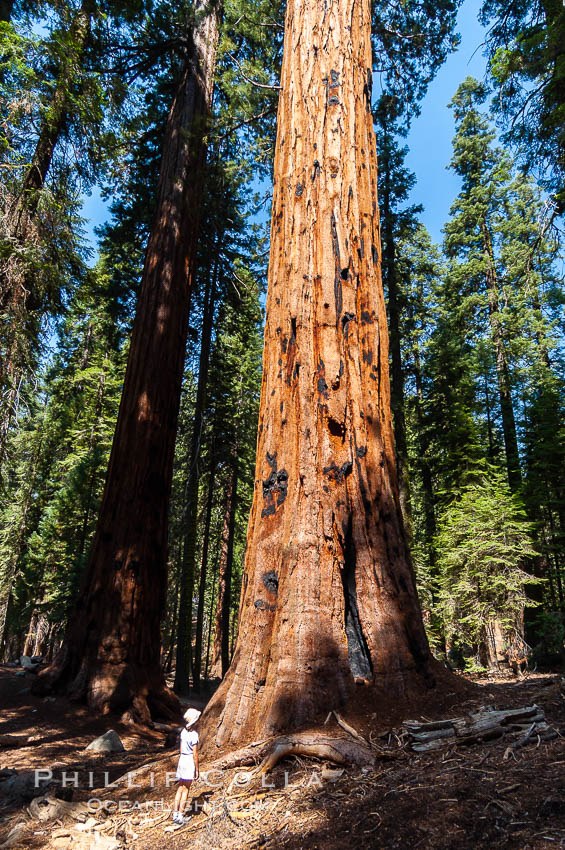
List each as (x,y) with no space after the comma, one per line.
(111,653)
(221,653)
(328,595)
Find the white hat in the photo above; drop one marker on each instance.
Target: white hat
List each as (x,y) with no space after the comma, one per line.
(191,716)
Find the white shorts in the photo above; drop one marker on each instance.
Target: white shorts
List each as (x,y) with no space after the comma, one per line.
(186,768)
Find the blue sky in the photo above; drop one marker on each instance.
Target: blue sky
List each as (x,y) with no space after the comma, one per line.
(429,139)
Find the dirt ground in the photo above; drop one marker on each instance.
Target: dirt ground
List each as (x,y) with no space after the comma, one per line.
(455,797)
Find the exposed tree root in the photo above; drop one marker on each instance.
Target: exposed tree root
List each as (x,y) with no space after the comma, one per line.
(309,744)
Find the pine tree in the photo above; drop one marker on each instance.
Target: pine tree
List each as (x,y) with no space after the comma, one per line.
(483,544)
(470,236)
(525,46)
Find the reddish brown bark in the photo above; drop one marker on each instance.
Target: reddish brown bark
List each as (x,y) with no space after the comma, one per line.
(111,655)
(197,661)
(221,651)
(328,591)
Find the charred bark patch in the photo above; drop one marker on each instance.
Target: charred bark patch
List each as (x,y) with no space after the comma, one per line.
(261,605)
(321,383)
(336,429)
(345,320)
(315,169)
(293,329)
(361,451)
(357,649)
(338,473)
(299,190)
(271,581)
(368,89)
(275,487)
(368,357)
(337,259)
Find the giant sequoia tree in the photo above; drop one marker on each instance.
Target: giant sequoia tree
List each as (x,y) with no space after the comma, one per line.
(328,595)
(111,655)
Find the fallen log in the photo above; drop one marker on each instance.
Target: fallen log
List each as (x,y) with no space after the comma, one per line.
(13,740)
(483,725)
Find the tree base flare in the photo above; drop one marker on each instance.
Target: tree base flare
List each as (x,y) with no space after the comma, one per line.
(137,694)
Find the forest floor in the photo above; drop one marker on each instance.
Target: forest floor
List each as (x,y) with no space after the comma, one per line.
(455,797)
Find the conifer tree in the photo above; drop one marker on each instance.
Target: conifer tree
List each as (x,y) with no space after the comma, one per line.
(111,655)
(483,545)
(525,47)
(471,237)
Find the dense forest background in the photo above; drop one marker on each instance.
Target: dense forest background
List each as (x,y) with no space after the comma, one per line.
(476,322)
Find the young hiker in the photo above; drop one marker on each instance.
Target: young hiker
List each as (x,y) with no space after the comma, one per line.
(187,769)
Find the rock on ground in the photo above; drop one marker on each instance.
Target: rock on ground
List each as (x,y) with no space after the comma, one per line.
(109,742)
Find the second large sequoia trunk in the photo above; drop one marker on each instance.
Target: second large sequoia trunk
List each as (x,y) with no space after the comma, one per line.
(328,595)
(111,654)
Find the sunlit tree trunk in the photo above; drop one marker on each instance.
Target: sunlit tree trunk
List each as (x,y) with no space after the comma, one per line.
(328,595)
(111,653)
(197,661)
(221,651)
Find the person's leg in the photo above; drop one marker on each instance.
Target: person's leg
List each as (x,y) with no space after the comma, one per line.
(184,795)
(178,797)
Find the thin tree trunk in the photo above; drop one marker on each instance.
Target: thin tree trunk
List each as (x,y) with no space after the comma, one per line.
(111,654)
(221,652)
(396,368)
(489,420)
(168,665)
(42,631)
(197,663)
(188,564)
(11,568)
(210,619)
(31,633)
(328,594)
(425,473)
(502,371)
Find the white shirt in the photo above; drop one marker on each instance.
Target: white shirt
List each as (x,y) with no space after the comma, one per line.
(188,740)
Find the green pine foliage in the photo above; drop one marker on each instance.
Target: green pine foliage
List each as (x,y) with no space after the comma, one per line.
(525,43)
(484,544)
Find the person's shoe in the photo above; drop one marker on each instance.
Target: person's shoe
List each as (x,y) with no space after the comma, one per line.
(183,820)
(177,817)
